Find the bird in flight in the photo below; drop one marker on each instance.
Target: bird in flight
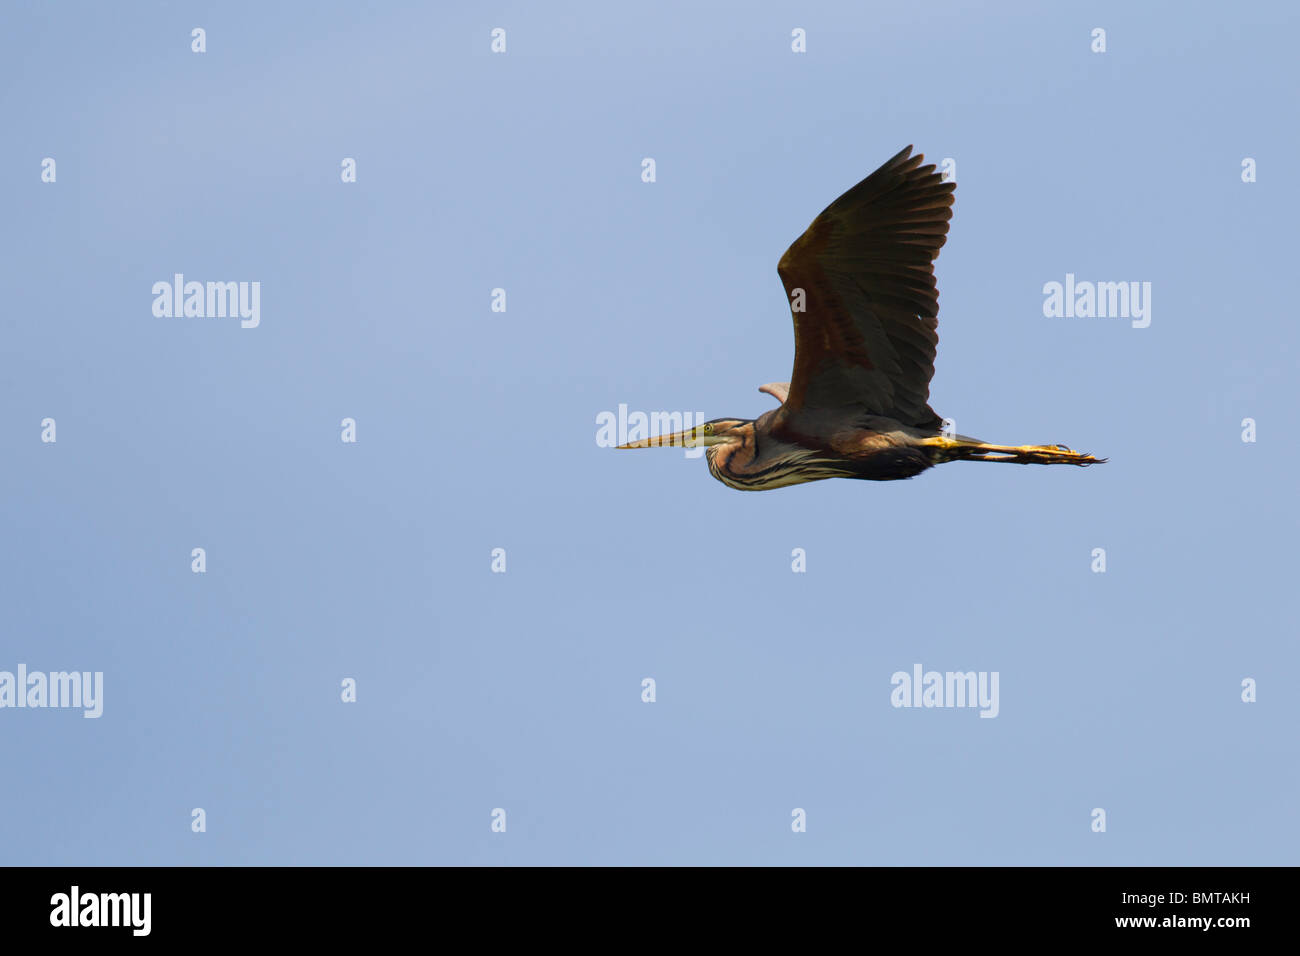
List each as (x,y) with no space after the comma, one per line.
(860,281)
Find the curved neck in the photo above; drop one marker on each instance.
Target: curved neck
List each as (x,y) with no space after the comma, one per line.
(754,460)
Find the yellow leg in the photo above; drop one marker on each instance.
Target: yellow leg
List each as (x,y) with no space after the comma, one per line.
(956,450)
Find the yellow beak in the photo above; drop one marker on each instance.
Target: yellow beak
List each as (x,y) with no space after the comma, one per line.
(691,438)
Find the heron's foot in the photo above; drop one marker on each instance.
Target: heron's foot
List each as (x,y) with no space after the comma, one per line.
(1055,455)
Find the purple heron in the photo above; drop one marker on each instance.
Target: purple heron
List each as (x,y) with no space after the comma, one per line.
(860,282)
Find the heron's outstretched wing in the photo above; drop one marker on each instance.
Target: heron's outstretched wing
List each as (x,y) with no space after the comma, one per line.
(863,273)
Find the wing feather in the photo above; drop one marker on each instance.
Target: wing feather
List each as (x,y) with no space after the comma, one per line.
(867,337)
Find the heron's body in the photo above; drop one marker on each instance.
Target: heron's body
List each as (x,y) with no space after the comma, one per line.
(877,449)
(860,282)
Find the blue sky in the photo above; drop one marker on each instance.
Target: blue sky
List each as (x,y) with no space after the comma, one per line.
(476,430)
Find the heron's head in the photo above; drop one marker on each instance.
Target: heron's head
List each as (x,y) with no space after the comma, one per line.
(720,431)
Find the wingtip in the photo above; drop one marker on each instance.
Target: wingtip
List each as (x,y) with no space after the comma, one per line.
(906,162)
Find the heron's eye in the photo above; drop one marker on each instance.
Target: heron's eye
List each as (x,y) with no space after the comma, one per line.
(708,429)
